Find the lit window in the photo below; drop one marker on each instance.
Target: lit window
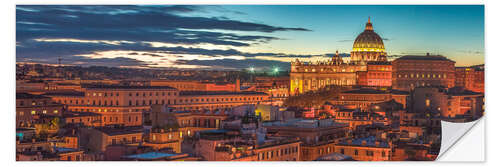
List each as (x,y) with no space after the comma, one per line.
(427,102)
(33,112)
(44,111)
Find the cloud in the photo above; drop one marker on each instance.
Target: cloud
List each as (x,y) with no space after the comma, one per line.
(138,33)
(235,64)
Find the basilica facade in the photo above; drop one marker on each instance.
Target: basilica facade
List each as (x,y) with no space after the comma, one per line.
(368,66)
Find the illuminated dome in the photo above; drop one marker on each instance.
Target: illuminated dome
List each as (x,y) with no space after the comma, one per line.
(368,46)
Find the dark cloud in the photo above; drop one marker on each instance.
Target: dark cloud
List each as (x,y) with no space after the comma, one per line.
(129,18)
(135,26)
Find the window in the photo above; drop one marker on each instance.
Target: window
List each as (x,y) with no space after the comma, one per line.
(33,112)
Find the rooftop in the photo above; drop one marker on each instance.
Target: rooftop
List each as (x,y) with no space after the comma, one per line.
(428,57)
(370,142)
(79,114)
(376,91)
(150,155)
(194,93)
(29,96)
(335,157)
(66,93)
(125,87)
(120,131)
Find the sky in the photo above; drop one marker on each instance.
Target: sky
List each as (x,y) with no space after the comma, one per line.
(239,36)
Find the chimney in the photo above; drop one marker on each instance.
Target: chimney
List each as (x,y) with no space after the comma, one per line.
(349,142)
(377,143)
(363,143)
(428,54)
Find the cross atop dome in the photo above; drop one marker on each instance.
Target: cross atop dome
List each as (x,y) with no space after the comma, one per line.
(369,25)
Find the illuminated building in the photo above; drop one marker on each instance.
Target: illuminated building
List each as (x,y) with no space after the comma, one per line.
(159,139)
(186,123)
(30,108)
(197,86)
(126,104)
(97,139)
(471,78)
(227,145)
(317,136)
(451,103)
(378,74)
(367,66)
(363,98)
(431,70)
(213,100)
(277,87)
(355,118)
(89,119)
(365,149)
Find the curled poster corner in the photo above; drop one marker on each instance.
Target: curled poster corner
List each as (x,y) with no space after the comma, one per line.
(453,133)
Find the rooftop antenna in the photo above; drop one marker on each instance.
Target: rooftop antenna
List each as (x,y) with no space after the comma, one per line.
(59,61)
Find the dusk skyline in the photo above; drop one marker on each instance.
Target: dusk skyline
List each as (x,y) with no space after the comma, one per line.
(243,36)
